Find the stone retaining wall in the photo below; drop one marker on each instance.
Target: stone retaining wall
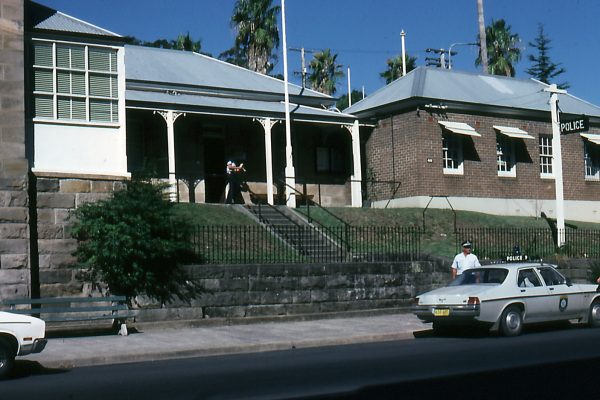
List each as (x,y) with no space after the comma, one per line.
(244,291)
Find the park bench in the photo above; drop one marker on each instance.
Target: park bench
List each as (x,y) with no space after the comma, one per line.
(58,311)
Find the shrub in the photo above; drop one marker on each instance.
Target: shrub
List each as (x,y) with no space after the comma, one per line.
(134,243)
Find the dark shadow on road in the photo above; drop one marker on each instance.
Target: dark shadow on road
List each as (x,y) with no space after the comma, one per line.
(481,332)
(26,368)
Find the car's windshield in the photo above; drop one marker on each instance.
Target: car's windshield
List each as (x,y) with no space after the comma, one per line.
(478,276)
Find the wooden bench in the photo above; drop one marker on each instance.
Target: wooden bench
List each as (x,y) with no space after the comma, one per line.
(59,310)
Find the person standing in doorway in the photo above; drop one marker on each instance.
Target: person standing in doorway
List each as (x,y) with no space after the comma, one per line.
(232,172)
(464,260)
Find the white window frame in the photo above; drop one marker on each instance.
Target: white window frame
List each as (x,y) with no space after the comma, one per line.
(113,99)
(505,156)
(591,161)
(452,154)
(545,156)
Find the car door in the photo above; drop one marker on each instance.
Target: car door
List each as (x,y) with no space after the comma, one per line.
(565,301)
(534,295)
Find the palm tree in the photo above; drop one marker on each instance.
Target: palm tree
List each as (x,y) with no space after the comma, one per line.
(257,33)
(324,72)
(394,68)
(502,49)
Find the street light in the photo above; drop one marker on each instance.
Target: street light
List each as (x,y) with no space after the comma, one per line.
(450,51)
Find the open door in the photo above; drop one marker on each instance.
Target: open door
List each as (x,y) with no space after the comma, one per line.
(214,167)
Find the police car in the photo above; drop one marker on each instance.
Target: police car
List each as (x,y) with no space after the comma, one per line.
(504,297)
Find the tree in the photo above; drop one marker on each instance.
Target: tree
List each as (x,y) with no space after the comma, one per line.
(355,95)
(133,242)
(182,42)
(502,49)
(543,69)
(394,68)
(324,72)
(257,34)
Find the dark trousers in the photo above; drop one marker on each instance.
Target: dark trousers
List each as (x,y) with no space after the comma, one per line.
(234,188)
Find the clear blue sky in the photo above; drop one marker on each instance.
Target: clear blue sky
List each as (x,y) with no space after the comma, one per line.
(365,33)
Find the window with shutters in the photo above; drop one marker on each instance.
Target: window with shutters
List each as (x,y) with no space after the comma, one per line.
(75,82)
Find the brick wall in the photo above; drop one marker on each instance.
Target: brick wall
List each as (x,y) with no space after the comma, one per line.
(14,229)
(411,153)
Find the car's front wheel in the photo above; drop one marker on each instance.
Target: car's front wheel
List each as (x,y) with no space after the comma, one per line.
(511,321)
(594,318)
(7,358)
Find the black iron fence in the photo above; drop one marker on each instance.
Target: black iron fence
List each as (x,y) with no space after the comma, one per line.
(536,243)
(257,245)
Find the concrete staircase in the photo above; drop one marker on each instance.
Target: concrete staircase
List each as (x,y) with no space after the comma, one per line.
(315,244)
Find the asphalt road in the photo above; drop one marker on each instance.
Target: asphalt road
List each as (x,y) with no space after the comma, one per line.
(542,363)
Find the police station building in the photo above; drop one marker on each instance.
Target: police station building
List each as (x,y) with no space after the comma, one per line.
(480,143)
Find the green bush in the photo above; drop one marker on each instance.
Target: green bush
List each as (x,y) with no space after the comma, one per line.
(134,243)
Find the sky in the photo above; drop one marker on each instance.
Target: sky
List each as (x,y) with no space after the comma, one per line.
(365,33)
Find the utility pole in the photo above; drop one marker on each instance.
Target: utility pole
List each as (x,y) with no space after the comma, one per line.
(402,35)
(482,39)
(557,162)
(303,71)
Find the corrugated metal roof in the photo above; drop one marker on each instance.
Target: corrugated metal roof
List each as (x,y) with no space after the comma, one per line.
(466,87)
(45,18)
(187,68)
(235,106)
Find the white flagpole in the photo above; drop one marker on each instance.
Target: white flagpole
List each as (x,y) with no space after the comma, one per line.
(290,178)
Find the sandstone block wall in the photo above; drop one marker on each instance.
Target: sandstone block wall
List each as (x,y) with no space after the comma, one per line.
(57,198)
(14,202)
(245,291)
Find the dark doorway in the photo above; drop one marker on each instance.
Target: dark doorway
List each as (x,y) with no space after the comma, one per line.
(214,167)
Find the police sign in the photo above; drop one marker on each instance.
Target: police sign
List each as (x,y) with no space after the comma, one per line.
(580,124)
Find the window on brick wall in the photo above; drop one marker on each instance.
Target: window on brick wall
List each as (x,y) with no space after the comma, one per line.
(592,160)
(75,82)
(452,153)
(545,147)
(505,155)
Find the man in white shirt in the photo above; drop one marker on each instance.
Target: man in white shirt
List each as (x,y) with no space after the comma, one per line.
(464,260)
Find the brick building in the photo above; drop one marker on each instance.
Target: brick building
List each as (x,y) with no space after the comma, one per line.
(483,142)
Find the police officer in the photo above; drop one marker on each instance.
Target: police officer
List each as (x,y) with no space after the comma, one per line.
(464,260)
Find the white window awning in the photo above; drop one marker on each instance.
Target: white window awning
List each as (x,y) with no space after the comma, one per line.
(594,138)
(459,127)
(513,132)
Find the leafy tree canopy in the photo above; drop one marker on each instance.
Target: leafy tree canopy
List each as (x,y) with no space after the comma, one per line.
(182,42)
(542,68)
(133,243)
(355,95)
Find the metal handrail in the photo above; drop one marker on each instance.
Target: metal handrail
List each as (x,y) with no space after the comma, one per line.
(307,202)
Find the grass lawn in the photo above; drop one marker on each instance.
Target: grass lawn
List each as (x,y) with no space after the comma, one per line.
(438,239)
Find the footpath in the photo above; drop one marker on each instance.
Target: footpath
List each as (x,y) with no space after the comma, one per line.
(151,342)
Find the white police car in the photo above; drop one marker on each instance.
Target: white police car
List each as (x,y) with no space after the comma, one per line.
(19,335)
(506,296)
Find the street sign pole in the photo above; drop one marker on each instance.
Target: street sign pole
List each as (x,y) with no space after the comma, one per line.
(557,163)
